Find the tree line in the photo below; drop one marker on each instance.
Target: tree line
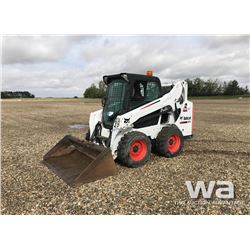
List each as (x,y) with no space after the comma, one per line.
(95,91)
(16,94)
(196,87)
(200,87)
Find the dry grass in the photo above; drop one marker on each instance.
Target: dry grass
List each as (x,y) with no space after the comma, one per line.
(220,150)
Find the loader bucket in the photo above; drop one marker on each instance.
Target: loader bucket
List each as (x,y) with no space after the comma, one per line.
(78,162)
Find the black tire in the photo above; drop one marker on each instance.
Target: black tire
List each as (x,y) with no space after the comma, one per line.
(170,141)
(87,136)
(134,149)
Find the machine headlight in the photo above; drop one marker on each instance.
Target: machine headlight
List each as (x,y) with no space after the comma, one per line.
(110,113)
(117,122)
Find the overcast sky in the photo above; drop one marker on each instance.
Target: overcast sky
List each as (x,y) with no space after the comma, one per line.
(64,66)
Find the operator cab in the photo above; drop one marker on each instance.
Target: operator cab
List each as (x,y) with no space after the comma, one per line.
(126,92)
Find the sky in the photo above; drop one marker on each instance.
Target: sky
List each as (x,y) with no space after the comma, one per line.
(64,66)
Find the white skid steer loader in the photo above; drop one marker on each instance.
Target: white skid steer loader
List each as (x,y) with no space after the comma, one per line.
(136,116)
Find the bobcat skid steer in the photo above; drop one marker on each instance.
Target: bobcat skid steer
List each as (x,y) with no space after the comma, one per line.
(136,116)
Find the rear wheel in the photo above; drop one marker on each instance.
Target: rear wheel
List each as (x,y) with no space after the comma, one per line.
(134,149)
(170,141)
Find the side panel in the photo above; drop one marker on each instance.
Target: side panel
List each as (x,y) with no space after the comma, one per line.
(185,120)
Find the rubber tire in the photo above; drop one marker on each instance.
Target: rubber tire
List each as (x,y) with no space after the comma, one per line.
(162,138)
(87,136)
(123,150)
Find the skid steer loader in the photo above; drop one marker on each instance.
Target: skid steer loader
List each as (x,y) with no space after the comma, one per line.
(136,116)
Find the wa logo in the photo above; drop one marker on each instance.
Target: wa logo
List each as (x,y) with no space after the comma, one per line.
(223,189)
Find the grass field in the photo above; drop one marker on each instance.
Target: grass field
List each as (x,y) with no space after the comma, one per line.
(220,150)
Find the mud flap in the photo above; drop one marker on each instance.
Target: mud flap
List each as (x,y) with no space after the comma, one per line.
(78,162)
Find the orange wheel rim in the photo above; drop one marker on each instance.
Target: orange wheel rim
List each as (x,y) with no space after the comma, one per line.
(138,150)
(174,143)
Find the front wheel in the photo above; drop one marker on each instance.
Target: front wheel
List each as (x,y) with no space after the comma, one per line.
(134,149)
(170,141)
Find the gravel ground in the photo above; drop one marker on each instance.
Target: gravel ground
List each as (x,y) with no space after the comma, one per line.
(220,150)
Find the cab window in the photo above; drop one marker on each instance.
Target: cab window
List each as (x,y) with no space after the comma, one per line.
(144,92)
(152,91)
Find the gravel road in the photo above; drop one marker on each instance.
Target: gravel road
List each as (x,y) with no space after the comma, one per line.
(219,150)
